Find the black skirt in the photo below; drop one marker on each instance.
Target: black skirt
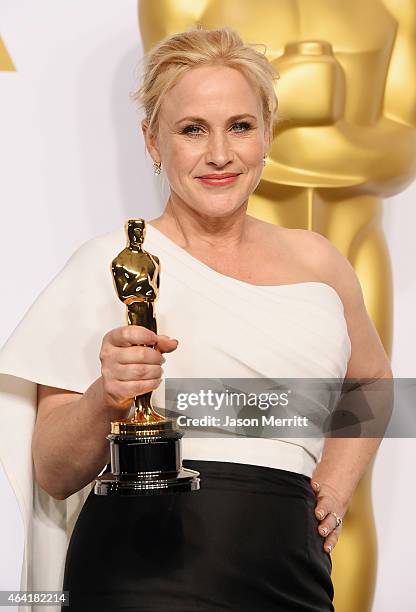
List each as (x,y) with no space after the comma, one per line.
(246,541)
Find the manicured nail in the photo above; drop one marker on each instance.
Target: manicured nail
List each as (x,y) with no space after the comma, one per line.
(329,548)
(324,530)
(320,514)
(315,484)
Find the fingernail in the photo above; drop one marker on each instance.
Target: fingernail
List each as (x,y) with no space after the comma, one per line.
(315,484)
(324,530)
(329,548)
(320,514)
(175,340)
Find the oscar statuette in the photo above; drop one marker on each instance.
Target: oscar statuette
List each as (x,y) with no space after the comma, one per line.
(145,449)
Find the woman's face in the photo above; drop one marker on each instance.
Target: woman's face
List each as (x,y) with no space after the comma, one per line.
(211,122)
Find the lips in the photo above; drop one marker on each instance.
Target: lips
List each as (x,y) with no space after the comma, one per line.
(219,176)
(218,179)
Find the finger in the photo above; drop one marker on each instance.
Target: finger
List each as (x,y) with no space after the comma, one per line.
(165,344)
(321,509)
(121,394)
(130,335)
(327,525)
(137,371)
(140,354)
(316,486)
(331,540)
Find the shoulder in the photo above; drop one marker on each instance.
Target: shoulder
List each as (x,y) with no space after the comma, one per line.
(315,255)
(368,357)
(99,248)
(109,240)
(88,264)
(328,263)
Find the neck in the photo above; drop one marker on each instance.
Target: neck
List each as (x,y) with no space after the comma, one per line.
(191,230)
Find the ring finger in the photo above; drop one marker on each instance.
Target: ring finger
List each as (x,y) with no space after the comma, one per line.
(328,524)
(332,539)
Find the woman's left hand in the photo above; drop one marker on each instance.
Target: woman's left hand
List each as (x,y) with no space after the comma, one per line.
(328,502)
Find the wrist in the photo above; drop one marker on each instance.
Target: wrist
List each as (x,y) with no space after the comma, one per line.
(95,397)
(333,485)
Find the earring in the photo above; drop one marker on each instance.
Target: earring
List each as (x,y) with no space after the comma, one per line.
(264,160)
(157,167)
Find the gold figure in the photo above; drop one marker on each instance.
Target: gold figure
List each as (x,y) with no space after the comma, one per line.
(145,450)
(345,139)
(6,62)
(136,279)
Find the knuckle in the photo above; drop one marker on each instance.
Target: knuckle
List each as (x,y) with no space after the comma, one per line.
(139,370)
(125,333)
(142,334)
(105,372)
(104,352)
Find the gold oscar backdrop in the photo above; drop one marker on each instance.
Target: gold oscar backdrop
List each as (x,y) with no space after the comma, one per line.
(345,139)
(6,63)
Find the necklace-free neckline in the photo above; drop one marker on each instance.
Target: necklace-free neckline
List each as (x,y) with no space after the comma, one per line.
(172,244)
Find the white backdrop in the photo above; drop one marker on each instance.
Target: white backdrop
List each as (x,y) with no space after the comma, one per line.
(74,167)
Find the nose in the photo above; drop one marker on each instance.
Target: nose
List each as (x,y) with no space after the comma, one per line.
(218,151)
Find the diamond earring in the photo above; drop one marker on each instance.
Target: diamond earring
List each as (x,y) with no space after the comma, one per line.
(157,167)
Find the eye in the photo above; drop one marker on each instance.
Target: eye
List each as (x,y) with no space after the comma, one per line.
(244,124)
(191,130)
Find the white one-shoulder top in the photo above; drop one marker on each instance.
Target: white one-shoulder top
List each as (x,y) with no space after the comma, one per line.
(231,329)
(226,328)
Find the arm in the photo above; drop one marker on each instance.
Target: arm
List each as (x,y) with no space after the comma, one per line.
(69,445)
(345,460)
(124,281)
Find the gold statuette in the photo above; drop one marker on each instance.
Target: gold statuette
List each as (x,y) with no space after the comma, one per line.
(145,449)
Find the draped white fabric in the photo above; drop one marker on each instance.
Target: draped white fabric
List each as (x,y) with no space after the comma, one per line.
(226,329)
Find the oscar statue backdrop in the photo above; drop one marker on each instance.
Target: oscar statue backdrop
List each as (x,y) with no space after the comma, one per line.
(343,161)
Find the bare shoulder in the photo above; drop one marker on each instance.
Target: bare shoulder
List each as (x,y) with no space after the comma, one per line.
(326,262)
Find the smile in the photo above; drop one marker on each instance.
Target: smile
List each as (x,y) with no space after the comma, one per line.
(218,181)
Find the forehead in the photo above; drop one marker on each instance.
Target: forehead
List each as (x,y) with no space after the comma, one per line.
(208,89)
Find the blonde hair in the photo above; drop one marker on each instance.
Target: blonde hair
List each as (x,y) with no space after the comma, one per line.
(175,55)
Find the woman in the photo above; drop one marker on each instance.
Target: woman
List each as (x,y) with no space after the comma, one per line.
(245,299)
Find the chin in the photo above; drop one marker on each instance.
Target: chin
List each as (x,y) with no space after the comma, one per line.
(219,207)
(217,212)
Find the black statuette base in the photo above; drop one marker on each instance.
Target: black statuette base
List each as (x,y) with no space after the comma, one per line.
(146,465)
(109,484)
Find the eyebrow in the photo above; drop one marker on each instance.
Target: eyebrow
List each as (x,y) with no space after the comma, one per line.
(201,120)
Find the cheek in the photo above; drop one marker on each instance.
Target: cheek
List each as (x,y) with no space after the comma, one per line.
(181,160)
(252,153)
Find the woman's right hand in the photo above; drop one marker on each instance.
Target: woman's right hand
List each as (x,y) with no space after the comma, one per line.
(127,367)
